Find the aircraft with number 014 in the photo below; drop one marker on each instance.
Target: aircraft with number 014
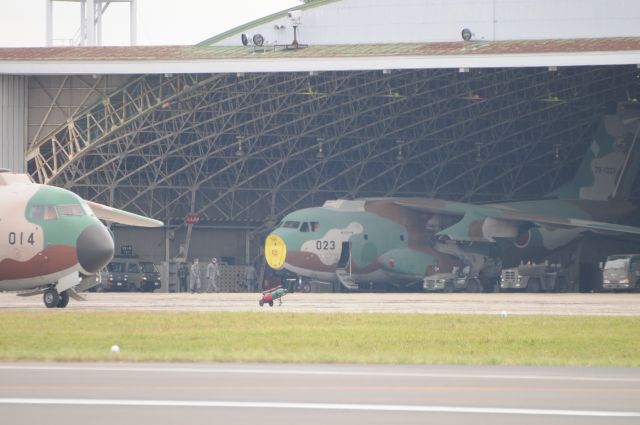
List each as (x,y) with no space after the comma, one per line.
(52,241)
(401,241)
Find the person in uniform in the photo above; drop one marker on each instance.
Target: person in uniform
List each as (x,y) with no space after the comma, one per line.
(195,276)
(183,276)
(252,277)
(213,272)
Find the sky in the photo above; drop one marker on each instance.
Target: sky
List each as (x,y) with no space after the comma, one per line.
(160,22)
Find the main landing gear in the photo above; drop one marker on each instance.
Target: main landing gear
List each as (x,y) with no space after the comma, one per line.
(52,299)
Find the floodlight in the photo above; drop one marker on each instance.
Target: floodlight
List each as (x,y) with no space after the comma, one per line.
(258,40)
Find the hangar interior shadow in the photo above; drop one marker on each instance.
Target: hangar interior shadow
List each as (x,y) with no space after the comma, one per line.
(244,150)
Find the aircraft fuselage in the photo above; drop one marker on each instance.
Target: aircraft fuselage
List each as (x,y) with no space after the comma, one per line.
(47,233)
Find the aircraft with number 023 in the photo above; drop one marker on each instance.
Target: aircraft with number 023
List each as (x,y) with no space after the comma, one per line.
(52,241)
(401,241)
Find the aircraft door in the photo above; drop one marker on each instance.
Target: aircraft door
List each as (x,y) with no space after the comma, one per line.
(345,255)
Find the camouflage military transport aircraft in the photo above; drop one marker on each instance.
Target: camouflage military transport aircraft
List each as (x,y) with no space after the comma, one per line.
(50,238)
(403,240)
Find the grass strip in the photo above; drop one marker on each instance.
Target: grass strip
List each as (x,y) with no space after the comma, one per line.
(320,338)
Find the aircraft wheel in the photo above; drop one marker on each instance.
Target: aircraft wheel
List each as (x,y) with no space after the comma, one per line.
(533,286)
(271,303)
(448,287)
(306,287)
(261,302)
(473,286)
(51,298)
(64,299)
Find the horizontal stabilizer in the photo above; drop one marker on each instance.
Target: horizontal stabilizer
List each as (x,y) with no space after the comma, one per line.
(104,212)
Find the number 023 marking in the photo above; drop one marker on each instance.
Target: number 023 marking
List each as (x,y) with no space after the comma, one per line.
(325,245)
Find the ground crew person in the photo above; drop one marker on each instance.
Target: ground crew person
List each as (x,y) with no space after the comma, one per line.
(213,272)
(195,276)
(183,275)
(251,279)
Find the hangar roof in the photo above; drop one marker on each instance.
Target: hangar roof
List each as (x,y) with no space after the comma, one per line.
(282,58)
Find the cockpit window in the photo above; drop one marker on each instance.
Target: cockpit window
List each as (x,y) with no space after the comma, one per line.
(50,213)
(70,210)
(43,212)
(36,212)
(311,226)
(291,224)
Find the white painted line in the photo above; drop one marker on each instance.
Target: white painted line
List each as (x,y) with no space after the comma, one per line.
(312,372)
(312,406)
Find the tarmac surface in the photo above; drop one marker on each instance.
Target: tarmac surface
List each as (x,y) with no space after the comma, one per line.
(157,394)
(612,304)
(141,394)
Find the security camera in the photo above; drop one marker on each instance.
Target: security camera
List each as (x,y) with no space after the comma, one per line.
(295,16)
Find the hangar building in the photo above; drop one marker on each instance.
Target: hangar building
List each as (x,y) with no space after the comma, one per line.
(334,98)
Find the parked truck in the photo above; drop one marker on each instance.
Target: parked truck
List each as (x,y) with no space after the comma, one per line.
(534,278)
(622,272)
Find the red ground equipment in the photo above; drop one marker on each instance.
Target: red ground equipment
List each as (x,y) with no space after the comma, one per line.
(272,294)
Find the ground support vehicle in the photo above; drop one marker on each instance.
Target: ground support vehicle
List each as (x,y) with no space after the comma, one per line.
(150,279)
(622,272)
(273,294)
(454,281)
(534,278)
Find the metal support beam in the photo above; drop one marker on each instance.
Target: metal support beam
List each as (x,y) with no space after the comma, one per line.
(169,145)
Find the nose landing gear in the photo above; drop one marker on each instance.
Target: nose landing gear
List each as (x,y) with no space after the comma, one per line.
(53,299)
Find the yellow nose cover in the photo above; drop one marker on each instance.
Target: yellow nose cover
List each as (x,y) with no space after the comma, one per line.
(275,251)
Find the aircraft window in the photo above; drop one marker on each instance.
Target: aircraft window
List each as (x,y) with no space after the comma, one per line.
(50,213)
(70,210)
(304,227)
(401,237)
(366,237)
(36,212)
(315,226)
(291,224)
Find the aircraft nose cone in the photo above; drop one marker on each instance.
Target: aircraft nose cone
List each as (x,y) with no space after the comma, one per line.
(275,251)
(95,248)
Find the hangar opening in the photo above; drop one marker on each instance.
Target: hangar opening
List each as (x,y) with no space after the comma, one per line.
(239,149)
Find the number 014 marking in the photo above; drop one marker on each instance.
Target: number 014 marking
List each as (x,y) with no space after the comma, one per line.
(21,238)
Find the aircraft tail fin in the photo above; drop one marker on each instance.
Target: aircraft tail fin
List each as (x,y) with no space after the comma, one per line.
(611,163)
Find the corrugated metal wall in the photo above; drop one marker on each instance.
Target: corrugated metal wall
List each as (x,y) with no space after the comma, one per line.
(13,121)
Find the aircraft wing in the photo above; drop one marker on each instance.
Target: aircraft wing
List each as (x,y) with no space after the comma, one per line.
(104,212)
(484,223)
